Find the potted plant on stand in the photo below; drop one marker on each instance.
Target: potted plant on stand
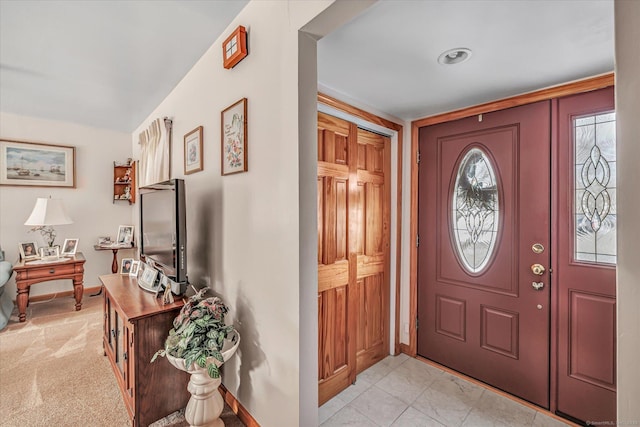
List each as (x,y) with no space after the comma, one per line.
(199,343)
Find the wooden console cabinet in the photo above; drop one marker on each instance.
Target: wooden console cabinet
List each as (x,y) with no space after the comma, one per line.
(136,325)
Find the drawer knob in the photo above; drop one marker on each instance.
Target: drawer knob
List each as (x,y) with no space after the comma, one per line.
(52,271)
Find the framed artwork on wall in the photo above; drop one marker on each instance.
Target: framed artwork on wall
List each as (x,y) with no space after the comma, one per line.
(234,48)
(234,138)
(38,165)
(193,151)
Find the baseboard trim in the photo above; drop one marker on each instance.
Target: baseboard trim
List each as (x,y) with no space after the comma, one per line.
(47,297)
(237,407)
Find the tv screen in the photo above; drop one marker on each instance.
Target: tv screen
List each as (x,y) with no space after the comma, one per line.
(163,232)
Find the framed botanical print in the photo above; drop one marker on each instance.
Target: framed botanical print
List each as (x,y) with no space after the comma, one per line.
(234,138)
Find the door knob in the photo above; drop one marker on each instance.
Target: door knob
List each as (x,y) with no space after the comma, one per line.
(537,269)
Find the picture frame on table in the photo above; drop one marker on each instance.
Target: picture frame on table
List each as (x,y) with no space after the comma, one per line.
(105,241)
(70,246)
(234,138)
(135,267)
(148,278)
(49,252)
(193,145)
(125,265)
(24,163)
(29,250)
(125,235)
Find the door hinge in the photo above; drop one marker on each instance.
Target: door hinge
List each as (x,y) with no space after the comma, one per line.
(417,324)
(417,240)
(418,157)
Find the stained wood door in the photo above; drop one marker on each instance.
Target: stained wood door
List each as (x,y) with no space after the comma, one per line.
(483,204)
(586,273)
(353,252)
(372,247)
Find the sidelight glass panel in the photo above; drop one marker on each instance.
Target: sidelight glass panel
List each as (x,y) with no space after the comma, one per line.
(595,188)
(475,210)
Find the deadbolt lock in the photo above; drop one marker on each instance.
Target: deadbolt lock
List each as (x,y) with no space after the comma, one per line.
(537,269)
(537,285)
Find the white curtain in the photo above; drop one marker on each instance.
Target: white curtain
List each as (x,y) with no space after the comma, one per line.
(155,145)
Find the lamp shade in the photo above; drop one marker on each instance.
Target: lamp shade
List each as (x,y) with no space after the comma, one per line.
(48,212)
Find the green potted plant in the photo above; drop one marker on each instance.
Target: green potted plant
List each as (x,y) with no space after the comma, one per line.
(199,335)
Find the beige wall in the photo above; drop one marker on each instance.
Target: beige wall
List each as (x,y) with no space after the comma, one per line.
(89,204)
(627,18)
(243,230)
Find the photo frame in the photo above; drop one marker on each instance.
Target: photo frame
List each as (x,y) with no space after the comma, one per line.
(148,278)
(125,265)
(135,266)
(70,246)
(33,164)
(193,151)
(234,138)
(105,241)
(28,250)
(49,252)
(125,235)
(234,48)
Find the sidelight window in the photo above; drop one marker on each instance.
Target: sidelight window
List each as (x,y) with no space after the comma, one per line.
(595,188)
(475,210)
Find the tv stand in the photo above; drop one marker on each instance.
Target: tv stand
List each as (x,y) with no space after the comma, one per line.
(136,324)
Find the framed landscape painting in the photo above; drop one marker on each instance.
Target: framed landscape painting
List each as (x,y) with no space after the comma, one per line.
(39,165)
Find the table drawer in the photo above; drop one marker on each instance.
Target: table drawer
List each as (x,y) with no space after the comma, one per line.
(46,271)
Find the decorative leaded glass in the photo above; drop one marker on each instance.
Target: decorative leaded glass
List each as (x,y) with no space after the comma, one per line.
(595,188)
(475,210)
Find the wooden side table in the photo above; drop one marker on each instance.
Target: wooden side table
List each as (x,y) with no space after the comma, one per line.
(36,271)
(114,263)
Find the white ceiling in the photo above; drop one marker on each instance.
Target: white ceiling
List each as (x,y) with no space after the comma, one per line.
(109,64)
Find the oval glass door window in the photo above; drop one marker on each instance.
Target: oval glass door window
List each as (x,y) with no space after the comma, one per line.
(475,211)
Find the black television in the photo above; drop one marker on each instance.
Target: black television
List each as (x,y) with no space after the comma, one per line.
(163,230)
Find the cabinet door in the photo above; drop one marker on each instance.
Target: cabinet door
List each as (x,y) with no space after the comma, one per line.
(110,327)
(128,360)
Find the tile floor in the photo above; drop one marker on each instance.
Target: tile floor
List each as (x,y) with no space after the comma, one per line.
(400,391)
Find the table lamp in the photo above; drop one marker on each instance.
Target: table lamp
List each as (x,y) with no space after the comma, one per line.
(46,213)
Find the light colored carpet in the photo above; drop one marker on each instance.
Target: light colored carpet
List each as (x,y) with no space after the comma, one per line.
(53,371)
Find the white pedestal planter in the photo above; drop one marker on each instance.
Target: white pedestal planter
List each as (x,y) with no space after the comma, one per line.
(206,403)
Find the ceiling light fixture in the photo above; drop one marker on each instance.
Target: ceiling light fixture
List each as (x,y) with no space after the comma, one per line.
(454,56)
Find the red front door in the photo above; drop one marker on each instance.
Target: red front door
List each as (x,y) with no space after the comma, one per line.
(585,276)
(484,227)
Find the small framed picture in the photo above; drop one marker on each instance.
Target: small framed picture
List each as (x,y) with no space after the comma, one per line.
(28,250)
(193,151)
(50,252)
(234,138)
(104,241)
(148,278)
(125,265)
(69,246)
(135,266)
(125,235)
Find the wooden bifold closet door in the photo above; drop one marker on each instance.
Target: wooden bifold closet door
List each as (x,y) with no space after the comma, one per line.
(353,252)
